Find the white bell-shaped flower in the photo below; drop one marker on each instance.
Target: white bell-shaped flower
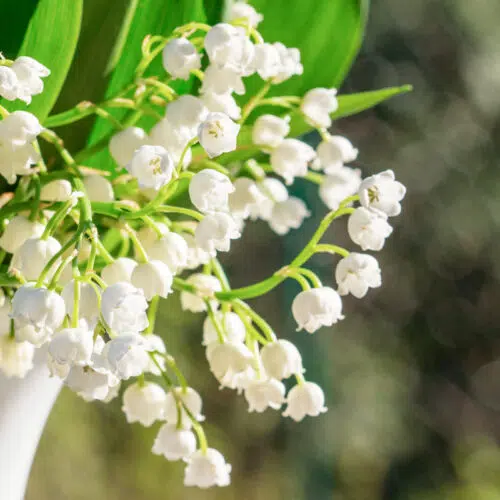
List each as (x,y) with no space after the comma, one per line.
(173,443)
(16,358)
(172,250)
(382,193)
(216,231)
(16,161)
(88,307)
(58,190)
(220,80)
(206,287)
(209,190)
(18,230)
(8,83)
(92,382)
(218,134)
(233,327)
(335,152)
(263,394)
(148,235)
(37,314)
(242,10)
(288,214)
(180,57)
(123,308)
(127,355)
(317,307)
(153,278)
(186,113)
(196,256)
(29,73)
(152,166)
(317,105)
(222,103)
(305,399)
(123,144)
(229,46)
(289,64)
(291,159)
(70,346)
(336,187)
(174,139)
(281,359)
(5,307)
(273,191)
(144,403)
(245,197)
(228,359)
(267,60)
(356,273)
(98,188)
(32,256)
(206,469)
(269,131)
(119,271)
(368,229)
(189,399)
(20,128)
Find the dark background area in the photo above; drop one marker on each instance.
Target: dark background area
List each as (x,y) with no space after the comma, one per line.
(411,375)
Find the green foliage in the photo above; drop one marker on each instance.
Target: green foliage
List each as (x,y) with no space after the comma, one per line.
(51,38)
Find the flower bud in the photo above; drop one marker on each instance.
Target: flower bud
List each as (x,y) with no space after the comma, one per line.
(368,229)
(356,273)
(118,271)
(37,314)
(304,399)
(209,190)
(180,57)
(216,231)
(98,188)
(382,194)
(18,230)
(218,134)
(173,443)
(207,468)
(124,143)
(172,250)
(152,166)
(153,278)
(32,256)
(190,399)
(317,105)
(58,190)
(144,403)
(127,355)
(317,307)
(123,308)
(269,131)
(288,214)
(206,286)
(263,394)
(281,359)
(291,158)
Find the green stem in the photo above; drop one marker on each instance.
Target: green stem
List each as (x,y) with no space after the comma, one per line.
(312,277)
(153,309)
(333,249)
(253,102)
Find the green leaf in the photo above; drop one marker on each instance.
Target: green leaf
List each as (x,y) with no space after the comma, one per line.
(327,32)
(149,17)
(51,38)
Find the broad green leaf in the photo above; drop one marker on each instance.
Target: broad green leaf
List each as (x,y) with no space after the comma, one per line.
(149,17)
(51,38)
(327,32)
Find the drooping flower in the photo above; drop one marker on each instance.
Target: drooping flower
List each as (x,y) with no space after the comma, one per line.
(304,399)
(233,328)
(291,158)
(336,187)
(190,399)
(317,307)
(29,73)
(119,271)
(17,231)
(216,231)
(269,130)
(356,273)
(228,359)
(209,190)
(152,166)
(334,152)
(318,104)
(281,359)
(144,403)
(153,278)
(171,249)
(16,358)
(123,144)
(88,305)
(218,134)
(206,286)
(127,355)
(368,229)
(173,443)
(288,214)
(245,197)
(263,394)
(186,113)
(180,57)
(98,188)
(206,469)
(243,10)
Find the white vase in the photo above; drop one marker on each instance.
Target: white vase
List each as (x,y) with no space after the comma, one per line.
(25,405)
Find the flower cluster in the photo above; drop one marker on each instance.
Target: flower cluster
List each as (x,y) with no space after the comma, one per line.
(87,256)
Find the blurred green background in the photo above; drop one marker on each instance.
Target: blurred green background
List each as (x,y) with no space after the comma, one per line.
(411,376)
